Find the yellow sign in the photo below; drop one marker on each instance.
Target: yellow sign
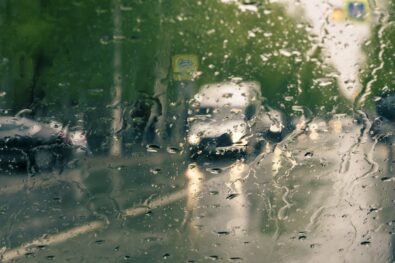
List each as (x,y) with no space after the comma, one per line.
(185,66)
(337,15)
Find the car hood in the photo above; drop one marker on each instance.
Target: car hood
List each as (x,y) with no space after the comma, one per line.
(216,128)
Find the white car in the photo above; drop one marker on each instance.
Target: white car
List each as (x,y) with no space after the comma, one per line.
(229,117)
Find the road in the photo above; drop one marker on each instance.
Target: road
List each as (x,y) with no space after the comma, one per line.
(324,192)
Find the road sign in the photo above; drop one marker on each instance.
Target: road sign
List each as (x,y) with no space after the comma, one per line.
(185,66)
(357,10)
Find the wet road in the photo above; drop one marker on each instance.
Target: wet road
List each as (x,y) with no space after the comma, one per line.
(325,194)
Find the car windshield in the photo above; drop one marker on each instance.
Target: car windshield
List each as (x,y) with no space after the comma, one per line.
(197,131)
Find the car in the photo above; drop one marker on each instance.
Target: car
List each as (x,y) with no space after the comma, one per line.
(230,117)
(38,145)
(383,125)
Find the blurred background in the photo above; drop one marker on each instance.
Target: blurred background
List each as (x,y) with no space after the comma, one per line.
(121,75)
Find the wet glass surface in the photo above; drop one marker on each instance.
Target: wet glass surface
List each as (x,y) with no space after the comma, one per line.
(197,131)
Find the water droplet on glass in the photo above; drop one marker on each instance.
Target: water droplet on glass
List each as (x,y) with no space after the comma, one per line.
(267,12)
(105,40)
(152,148)
(324,82)
(215,170)
(223,233)
(308,154)
(126,8)
(365,243)
(285,52)
(387,179)
(264,58)
(315,245)
(41,247)
(235,259)
(155,170)
(213,257)
(302,236)
(267,34)
(231,196)
(172,150)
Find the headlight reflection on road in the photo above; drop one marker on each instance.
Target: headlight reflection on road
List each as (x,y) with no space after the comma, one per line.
(195,185)
(219,210)
(238,172)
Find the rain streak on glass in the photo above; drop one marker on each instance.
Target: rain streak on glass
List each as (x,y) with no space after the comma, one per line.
(197,131)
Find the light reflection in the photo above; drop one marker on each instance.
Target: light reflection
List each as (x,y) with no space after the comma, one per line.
(238,172)
(195,180)
(195,185)
(344,208)
(338,14)
(218,208)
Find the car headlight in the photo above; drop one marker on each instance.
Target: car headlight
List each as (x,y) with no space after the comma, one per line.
(193,139)
(276,127)
(236,136)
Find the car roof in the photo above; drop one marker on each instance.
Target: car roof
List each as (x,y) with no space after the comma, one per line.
(237,95)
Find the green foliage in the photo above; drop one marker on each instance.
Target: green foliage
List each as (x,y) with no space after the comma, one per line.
(61,52)
(266,46)
(379,77)
(67,48)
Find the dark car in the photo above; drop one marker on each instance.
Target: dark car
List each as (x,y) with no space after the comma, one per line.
(383,126)
(37,145)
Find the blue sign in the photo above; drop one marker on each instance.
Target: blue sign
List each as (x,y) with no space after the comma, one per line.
(356,10)
(185,63)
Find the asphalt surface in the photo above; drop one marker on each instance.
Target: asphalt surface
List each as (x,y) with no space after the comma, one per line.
(326,192)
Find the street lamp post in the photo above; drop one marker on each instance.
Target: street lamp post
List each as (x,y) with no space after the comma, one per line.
(116,143)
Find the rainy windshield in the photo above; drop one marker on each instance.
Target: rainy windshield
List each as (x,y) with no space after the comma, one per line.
(197,131)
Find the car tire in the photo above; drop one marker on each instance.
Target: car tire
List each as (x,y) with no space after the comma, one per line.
(254,147)
(44,159)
